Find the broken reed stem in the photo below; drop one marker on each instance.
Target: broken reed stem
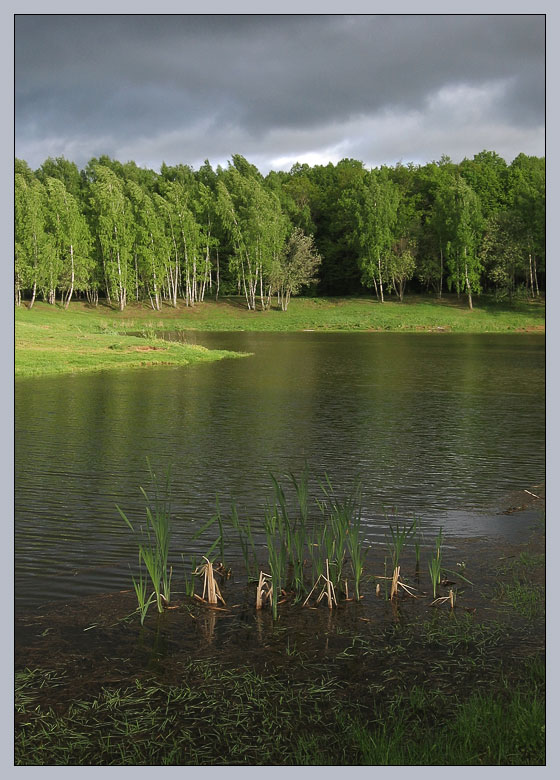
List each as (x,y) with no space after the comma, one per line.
(442,599)
(395,582)
(312,589)
(328,589)
(264,590)
(210,590)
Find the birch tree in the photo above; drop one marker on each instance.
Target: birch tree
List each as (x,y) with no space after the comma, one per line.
(376,207)
(34,247)
(149,247)
(465,224)
(257,228)
(72,239)
(527,195)
(113,222)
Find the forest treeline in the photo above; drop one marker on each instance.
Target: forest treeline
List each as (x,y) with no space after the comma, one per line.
(126,233)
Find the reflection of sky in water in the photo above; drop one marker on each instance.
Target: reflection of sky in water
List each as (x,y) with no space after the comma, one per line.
(439,426)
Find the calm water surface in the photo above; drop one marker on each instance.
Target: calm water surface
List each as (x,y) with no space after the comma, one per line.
(443,426)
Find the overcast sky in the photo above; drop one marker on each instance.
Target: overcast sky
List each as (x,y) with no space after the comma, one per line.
(278,89)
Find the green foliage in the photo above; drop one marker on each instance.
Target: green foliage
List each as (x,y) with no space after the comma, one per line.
(296,267)
(179,234)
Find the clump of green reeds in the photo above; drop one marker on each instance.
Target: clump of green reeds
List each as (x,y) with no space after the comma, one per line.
(247,544)
(400,535)
(435,564)
(153,546)
(275,528)
(304,548)
(292,532)
(190,576)
(342,535)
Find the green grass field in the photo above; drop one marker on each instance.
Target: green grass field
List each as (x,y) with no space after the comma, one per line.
(52,340)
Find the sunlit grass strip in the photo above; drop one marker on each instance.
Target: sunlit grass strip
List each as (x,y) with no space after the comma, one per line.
(49,341)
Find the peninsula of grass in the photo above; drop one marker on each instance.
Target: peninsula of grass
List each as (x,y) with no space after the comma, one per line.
(49,340)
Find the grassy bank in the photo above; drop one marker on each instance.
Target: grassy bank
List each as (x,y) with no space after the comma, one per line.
(53,341)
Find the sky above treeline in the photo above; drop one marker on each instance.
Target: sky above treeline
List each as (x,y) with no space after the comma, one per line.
(278,89)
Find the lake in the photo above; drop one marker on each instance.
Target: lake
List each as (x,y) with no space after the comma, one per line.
(446,427)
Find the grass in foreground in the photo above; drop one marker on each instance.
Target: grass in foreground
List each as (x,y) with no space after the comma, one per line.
(236,716)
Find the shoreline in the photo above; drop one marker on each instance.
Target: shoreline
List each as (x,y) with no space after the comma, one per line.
(51,340)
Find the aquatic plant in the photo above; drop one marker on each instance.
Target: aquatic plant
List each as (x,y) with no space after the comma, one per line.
(399,537)
(190,576)
(328,590)
(153,541)
(293,532)
(246,543)
(264,590)
(343,534)
(141,589)
(276,555)
(452,598)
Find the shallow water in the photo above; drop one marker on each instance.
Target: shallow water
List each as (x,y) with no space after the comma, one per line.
(443,426)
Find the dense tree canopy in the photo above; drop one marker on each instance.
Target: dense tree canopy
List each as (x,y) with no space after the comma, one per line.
(127,233)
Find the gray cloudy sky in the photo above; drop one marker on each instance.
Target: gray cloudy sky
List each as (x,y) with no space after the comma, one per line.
(278,89)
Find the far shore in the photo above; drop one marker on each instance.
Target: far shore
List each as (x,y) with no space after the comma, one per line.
(52,340)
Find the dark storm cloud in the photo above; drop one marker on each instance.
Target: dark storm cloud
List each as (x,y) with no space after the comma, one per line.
(277,86)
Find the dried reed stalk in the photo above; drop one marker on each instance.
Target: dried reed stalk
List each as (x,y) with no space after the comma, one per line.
(264,590)
(442,599)
(395,581)
(328,591)
(210,590)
